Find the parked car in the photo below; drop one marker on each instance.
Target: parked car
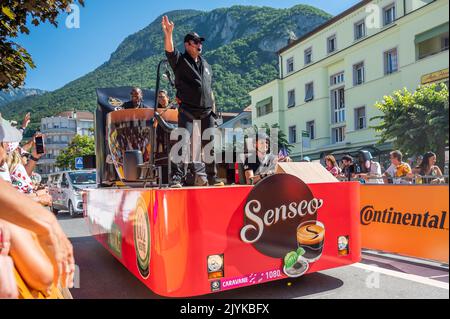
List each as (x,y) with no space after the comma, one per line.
(66,189)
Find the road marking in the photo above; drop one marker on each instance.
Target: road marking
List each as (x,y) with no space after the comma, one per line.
(410,277)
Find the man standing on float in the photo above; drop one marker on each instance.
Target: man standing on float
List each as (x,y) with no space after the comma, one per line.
(193,79)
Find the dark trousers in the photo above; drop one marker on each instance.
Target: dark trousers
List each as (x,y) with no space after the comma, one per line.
(179,170)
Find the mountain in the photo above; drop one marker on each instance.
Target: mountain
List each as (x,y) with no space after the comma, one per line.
(241,47)
(18,94)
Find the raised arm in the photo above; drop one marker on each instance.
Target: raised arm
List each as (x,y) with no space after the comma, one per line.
(167,27)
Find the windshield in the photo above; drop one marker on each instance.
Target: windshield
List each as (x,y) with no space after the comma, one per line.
(82,178)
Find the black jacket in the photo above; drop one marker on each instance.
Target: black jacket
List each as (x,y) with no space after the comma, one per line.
(193,82)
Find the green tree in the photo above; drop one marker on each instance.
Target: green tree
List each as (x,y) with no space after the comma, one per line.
(13,20)
(416,122)
(80,146)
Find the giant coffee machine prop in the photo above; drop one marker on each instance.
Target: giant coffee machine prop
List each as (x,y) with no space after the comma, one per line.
(131,150)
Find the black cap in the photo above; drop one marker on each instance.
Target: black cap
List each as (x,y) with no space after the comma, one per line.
(193,36)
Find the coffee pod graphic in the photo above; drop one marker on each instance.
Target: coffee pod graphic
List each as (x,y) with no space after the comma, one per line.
(311,237)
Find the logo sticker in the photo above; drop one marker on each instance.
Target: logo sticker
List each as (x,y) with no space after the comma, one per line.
(115,240)
(115,102)
(142,239)
(284,226)
(215,266)
(215,286)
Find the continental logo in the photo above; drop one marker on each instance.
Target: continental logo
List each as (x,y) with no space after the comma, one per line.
(370,215)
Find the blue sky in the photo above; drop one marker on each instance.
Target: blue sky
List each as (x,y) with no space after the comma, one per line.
(62,55)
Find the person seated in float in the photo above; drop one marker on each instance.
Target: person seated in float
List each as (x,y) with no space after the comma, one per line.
(136,101)
(164,101)
(259,163)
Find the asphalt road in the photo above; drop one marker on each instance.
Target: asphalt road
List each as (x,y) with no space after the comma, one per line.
(378,276)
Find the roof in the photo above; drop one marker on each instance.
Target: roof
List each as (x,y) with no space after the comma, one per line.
(248,109)
(326,24)
(81,115)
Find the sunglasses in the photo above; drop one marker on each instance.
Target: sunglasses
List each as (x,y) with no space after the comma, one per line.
(197,42)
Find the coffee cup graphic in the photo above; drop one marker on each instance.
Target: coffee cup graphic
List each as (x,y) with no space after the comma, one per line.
(310,237)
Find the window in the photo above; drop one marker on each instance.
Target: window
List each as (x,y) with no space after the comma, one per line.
(432,41)
(338,134)
(331,44)
(444,42)
(310,128)
(389,14)
(358,74)
(290,65)
(308,56)
(338,105)
(360,30)
(309,92)
(264,107)
(360,118)
(390,61)
(291,98)
(337,79)
(292,134)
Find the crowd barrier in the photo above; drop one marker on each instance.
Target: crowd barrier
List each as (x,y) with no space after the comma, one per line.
(410,220)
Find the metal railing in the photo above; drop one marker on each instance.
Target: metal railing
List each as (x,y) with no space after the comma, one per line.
(415,180)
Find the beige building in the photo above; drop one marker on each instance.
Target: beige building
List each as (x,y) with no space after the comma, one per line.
(59,131)
(330,79)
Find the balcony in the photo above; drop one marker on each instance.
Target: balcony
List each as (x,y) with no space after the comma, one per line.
(59,130)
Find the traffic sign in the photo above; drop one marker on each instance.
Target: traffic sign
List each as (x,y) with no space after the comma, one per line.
(78,163)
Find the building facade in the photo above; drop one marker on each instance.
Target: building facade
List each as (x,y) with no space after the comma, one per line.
(59,131)
(235,127)
(330,79)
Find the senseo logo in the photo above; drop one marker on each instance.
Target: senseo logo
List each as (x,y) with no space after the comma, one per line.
(273,216)
(274,211)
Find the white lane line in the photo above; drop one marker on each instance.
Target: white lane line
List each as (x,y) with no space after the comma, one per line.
(410,277)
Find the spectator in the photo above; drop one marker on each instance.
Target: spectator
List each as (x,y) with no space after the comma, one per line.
(349,169)
(398,170)
(8,134)
(19,210)
(370,170)
(37,242)
(21,180)
(164,100)
(332,166)
(8,286)
(33,157)
(428,167)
